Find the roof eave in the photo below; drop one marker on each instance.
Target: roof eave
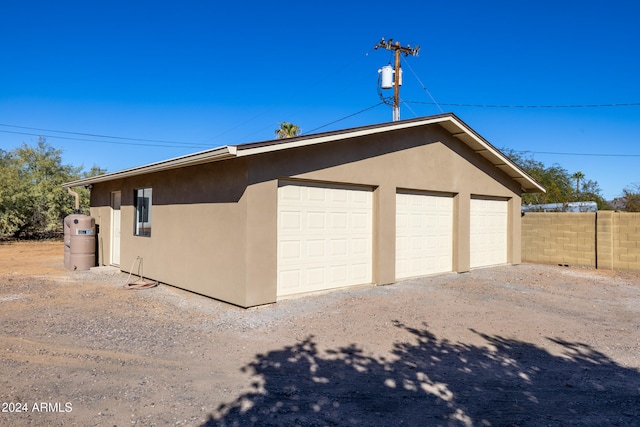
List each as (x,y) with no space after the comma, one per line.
(484,148)
(300,141)
(448,121)
(207,156)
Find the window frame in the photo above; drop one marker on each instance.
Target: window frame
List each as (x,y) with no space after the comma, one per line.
(143,202)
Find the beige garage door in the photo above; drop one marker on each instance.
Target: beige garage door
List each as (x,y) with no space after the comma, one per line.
(424,234)
(489,227)
(324,237)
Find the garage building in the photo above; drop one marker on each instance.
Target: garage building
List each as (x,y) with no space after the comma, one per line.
(252,223)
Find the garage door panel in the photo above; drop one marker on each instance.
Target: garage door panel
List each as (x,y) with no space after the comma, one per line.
(316,249)
(361,247)
(316,220)
(315,276)
(337,195)
(290,250)
(415,220)
(415,243)
(338,274)
(289,193)
(289,279)
(339,248)
(424,234)
(290,220)
(360,273)
(361,220)
(316,194)
(334,234)
(402,220)
(338,221)
(489,232)
(362,200)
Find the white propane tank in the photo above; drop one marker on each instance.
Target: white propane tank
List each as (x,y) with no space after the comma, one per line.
(386,81)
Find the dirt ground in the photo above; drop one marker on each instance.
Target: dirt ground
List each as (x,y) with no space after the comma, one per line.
(523,345)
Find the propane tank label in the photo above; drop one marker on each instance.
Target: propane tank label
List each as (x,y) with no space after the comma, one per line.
(86,232)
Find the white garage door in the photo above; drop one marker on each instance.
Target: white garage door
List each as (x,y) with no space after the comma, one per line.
(424,234)
(324,237)
(489,226)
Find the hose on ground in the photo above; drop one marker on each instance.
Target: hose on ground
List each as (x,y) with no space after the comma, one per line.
(141,283)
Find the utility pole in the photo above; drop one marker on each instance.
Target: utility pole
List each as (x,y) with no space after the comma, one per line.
(406,50)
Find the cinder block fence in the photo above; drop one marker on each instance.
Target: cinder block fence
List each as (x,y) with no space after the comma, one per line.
(606,239)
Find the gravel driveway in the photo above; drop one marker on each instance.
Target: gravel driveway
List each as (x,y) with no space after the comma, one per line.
(523,345)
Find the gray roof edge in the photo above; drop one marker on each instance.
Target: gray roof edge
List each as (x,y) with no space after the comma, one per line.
(345,133)
(206,156)
(535,185)
(232,151)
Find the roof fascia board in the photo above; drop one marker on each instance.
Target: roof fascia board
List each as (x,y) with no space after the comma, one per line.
(489,150)
(302,142)
(447,121)
(207,156)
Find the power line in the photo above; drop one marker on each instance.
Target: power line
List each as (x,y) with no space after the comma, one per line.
(630,104)
(296,95)
(102,141)
(423,86)
(576,154)
(439,104)
(344,118)
(93,135)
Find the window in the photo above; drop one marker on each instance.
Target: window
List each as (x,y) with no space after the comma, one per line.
(142,201)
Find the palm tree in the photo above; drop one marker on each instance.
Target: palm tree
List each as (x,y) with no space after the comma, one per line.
(577,176)
(287,130)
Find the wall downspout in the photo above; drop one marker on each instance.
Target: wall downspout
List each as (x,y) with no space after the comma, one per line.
(77,197)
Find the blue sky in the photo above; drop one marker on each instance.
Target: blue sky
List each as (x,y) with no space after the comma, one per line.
(201,74)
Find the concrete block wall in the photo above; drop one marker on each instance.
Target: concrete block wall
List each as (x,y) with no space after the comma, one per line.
(619,241)
(559,238)
(605,240)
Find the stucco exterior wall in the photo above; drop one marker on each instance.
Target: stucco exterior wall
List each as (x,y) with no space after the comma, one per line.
(198,236)
(215,225)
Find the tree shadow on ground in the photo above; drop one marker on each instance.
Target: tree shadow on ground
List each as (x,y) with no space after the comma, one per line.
(432,382)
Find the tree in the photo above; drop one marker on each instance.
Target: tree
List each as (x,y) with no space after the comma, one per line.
(554,178)
(83,192)
(287,130)
(32,198)
(557,181)
(631,198)
(591,191)
(577,176)
(13,195)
